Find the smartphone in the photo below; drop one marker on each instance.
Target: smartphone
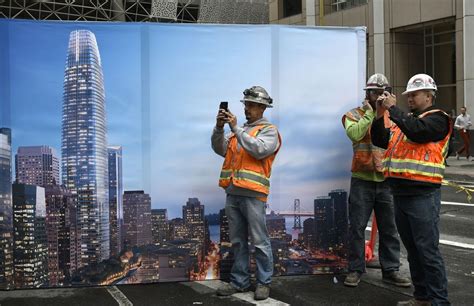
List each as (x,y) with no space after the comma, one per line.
(388,88)
(224,105)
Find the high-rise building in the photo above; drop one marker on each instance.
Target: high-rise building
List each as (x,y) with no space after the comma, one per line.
(225,248)
(30,249)
(115,199)
(224,226)
(341,215)
(193,217)
(159,225)
(61,231)
(84,145)
(37,165)
(324,223)
(6,225)
(308,233)
(276,226)
(136,219)
(179,230)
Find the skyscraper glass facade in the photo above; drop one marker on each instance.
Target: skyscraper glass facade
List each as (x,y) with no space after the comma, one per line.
(6,227)
(30,248)
(115,199)
(37,165)
(84,145)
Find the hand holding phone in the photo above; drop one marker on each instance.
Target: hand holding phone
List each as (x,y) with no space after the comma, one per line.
(221,116)
(224,105)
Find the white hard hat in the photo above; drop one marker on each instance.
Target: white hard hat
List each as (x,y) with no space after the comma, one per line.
(420,81)
(376,81)
(257,94)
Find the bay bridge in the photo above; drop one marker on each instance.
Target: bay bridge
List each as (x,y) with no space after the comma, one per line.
(296,213)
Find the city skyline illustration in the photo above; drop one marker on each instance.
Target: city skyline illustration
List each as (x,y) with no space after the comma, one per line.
(125,127)
(310,158)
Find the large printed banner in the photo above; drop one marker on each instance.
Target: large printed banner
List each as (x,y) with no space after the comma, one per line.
(107,175)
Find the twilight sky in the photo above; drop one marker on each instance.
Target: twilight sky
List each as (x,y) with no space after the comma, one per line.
(163,84)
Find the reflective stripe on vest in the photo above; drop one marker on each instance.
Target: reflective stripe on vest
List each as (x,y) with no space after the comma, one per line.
(244,170)
(416,161)
(246,175)
(366,157)
(414,167)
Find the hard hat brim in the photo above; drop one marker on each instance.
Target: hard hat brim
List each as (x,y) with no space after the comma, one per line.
(254,101)
(417,89)
(373,87)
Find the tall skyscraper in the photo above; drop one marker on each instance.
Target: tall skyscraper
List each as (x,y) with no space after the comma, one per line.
(308,233)
(6,225)
(159,225)
(30,250)
(115,199)
(136,218)
(324,222)
(193,216)
(341,214)
(61,231)
(37,165)
(223,226)
(225,248)
(84,145)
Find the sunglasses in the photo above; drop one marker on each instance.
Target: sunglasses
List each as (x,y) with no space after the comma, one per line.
(377,92)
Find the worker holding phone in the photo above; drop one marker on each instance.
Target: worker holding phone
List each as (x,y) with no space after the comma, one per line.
(249,152)
(370,192)
(416,147)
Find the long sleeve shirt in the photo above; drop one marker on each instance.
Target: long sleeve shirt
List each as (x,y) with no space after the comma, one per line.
(431,128)
(263,145)
(463,122)
(356,131)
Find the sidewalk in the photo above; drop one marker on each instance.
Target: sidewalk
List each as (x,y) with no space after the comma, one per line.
(461,169)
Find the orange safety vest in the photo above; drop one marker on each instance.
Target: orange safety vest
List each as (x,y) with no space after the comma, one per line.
(408,160)
(367,157)
(244,170)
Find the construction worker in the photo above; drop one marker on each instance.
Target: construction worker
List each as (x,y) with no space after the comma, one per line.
(413,164)
(369,192)
(249,153)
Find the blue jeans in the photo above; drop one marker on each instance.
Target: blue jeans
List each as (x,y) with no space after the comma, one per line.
(364,197)
(417,219)
(246,216)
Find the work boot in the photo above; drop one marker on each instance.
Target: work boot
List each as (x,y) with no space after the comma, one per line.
(414,302)
(352,279)
(394,278)
(227,289)
(262,292)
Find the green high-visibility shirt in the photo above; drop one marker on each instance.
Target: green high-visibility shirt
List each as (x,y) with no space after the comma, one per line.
(356,130)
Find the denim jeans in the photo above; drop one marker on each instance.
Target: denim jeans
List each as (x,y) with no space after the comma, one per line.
(246,216)
(364,197)
(417,219)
